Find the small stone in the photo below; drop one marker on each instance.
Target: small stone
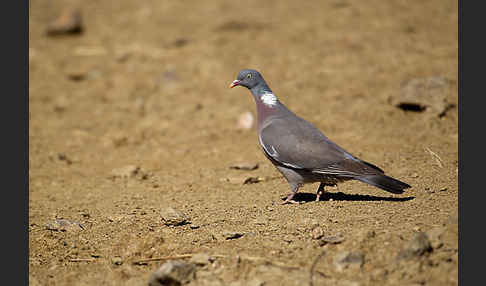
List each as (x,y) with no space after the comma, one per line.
(317,233)
(424,94)
(347,259)
(125,172)
(245,121)
(173,272)
(231,235)
(68,22)
(180,42)
(253,180)
(194,226)
(117,260)
(332,239)
(64,225)
(65,158)
(76,75)
(244,166)
(417,246)
(201,259)
(173,217)
(443,189)
(243,180)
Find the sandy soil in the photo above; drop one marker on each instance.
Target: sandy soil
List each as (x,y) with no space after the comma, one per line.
(134,115)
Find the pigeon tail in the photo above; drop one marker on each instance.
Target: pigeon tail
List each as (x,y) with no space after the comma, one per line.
(384,182)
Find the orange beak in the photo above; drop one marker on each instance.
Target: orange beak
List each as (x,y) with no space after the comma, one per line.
(234,83)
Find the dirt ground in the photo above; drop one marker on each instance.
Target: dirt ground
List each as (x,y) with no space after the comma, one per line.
(134,115)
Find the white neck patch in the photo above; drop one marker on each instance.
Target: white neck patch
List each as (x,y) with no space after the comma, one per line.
(269,99)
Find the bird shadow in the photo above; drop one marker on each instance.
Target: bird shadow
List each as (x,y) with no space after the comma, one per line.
(340,196)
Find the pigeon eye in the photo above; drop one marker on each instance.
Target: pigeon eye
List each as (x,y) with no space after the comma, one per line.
(249,75)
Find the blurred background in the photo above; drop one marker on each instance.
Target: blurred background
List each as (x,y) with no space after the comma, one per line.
(130,112)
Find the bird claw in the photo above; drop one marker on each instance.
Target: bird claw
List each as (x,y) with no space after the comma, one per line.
(289,200)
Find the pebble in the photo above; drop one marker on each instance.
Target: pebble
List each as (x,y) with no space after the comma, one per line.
(125,172)
(117,260)
(243,180)
(64,225)
(173,217)
(244,166)
(68,22)
(424,94)
(332,239)
(232,234)
(317,233)
(173,272)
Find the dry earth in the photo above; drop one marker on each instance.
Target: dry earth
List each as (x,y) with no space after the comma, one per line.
(133,116)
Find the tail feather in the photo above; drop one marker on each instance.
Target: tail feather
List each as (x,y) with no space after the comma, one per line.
(384,182)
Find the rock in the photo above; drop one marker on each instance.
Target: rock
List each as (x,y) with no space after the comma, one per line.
(64,225)
(245,121)
(173,217)
(125,172)
(68,22)
(201,259)
(347,259)
(180,42)
(243,180)
(172,273)
(244,166)
(333,239)
(65,158)
(76,75)
(424,94)
(117,260)
(417,246)
(317,233)
(231,234)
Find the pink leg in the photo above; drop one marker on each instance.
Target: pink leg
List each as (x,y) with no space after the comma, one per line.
(290,196)
(320,191)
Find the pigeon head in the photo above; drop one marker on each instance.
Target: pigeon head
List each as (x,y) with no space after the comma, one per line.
(249,79)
